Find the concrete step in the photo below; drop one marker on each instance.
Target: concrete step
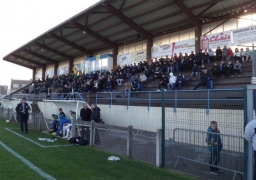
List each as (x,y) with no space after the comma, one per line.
(35,108)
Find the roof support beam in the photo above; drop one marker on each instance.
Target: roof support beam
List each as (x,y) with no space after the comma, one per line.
(53,51)
(125,19)
(39,56)
(28,60)
(204,4)
(187,12)
(122,10)
(122,5)
(73,45)
(93,34)
(227,9)
(210,6)
(29,67)
(217,26)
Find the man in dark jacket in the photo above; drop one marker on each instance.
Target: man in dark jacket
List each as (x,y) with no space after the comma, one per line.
(213,140)
(95,115)
(22,109)
(205,77)
(85,113)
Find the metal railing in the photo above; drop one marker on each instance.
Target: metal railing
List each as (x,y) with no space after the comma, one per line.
(191,146)
(52,96)
(208,99)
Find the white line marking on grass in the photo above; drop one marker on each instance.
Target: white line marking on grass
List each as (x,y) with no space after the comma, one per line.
(34,142)
(29,164)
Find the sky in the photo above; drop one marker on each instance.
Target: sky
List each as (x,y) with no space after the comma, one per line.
(22,21)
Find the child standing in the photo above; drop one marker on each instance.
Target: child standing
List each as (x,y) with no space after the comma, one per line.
(215,146)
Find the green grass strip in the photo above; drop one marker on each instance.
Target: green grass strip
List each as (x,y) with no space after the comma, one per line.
(72,162)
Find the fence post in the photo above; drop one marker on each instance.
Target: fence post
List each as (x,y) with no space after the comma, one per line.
(175,101)
(129,96)
(158,147)
(129,142)
(248,116)
(73,128)
(8,113)
(149,100)
(163,129)
(40,119)
(111,99)
(92,128)
(208,102)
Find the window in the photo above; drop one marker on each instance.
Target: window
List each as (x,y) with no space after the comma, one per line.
(15,85)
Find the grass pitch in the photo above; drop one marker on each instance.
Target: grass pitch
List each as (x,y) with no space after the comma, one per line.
(68,162)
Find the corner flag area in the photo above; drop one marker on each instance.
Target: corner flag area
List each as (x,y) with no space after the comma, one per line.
(25,157)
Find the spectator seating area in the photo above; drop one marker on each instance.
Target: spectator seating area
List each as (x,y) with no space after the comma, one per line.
(221,66)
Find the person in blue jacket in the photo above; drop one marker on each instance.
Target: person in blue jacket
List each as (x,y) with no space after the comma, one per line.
(215,146)
(136,86)
(61,122)
(180,81)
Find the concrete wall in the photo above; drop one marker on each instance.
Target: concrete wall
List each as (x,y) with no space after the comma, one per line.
(229,121)
(132,47)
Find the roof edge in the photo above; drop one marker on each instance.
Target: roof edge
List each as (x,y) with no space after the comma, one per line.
(55,27)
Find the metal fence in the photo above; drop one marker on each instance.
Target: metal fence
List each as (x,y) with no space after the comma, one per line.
(6,113)
(194,142)
(185,127)
(126,141)
(207,99)
(52,96)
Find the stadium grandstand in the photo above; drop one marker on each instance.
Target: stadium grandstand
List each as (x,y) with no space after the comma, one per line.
(166,68)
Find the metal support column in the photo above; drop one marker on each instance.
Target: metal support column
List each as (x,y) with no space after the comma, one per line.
(249,114)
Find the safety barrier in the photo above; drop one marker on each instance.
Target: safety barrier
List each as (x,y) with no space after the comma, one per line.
(208,99)
(52,96)
(191,146)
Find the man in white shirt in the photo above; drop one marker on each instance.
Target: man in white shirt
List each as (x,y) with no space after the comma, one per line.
(172,81)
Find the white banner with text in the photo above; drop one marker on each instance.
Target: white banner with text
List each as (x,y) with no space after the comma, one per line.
(244,35)
(212,41)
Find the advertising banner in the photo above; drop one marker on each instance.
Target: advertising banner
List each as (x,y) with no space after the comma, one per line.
(161,51)
(244,35)
(49,72)
(212,41)
(138,56)
(124,59)
(183,47)
(63,70)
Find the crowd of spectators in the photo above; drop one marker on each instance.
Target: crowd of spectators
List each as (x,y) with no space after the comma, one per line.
(168,72)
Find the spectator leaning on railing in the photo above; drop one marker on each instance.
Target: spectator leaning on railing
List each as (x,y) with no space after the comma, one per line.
(214,142)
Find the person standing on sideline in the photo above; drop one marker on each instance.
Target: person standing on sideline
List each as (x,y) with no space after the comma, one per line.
(85,113)
(95,115)
(23,109)
(250,136)
(213,140)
